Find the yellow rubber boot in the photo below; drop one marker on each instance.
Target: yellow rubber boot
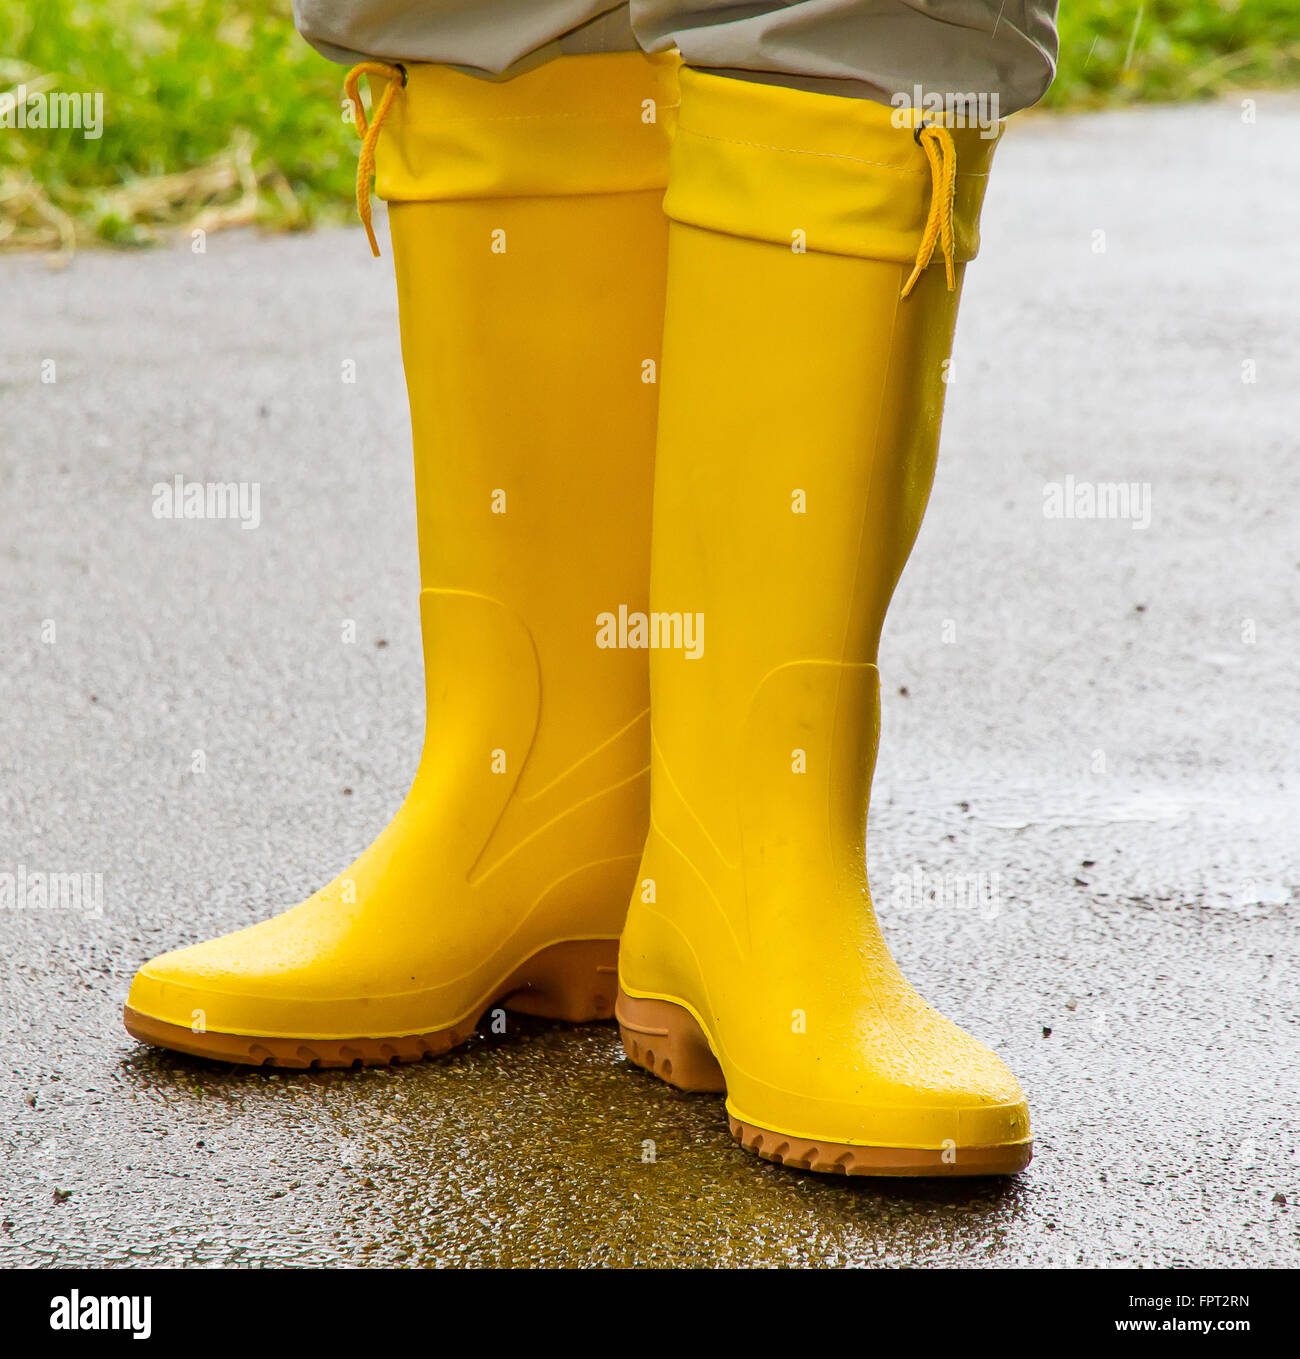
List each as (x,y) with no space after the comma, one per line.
(529,240)
(800,404)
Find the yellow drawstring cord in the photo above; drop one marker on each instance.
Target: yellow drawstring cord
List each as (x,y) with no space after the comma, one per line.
(396,77)
(936,141)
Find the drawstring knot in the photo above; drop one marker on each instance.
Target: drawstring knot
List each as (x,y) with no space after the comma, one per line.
(396,77)
(936,141)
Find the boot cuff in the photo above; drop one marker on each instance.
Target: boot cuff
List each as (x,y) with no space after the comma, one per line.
(769,163)
(595,124)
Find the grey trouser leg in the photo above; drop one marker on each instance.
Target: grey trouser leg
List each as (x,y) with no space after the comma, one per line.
(483,35)
(872,48)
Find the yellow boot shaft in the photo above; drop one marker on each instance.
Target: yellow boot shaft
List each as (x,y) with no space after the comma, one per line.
(529,244)
(799,422)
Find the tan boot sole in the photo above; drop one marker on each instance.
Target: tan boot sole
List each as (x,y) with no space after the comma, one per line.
(574,981)
(665,1040)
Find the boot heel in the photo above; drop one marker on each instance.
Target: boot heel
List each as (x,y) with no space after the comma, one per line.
(665,1040)
(575,981)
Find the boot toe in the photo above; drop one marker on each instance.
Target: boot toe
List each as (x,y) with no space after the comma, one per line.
(270,979)
(948,1088)
(188,986)
(913,1080)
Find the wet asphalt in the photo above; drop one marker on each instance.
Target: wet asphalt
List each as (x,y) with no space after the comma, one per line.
(1090,722)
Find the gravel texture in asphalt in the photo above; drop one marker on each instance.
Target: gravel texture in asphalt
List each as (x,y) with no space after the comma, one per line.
(1093,722)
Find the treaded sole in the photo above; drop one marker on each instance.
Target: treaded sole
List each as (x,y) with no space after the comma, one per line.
(573,981)
(665,1040)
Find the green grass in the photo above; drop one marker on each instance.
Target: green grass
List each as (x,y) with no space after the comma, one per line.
(216,113)
(1122,51)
